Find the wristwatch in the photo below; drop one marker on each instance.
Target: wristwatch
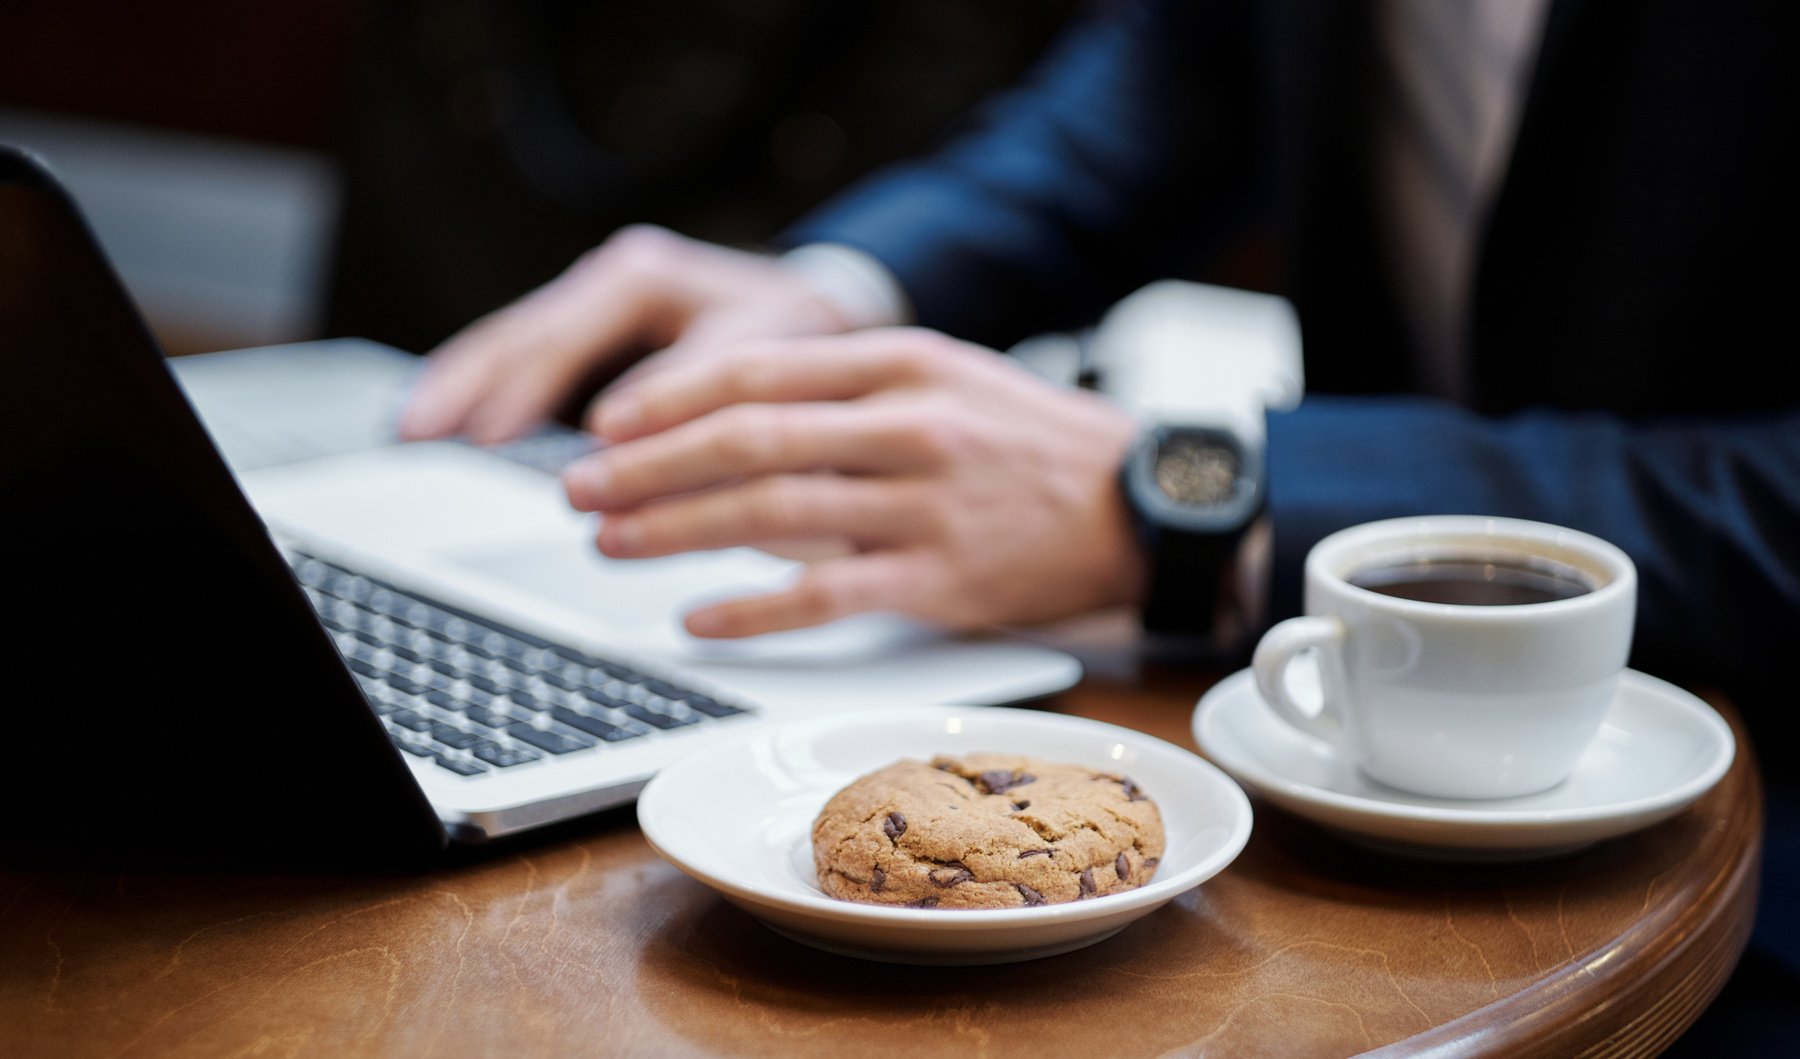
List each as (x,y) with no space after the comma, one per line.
(1194,492)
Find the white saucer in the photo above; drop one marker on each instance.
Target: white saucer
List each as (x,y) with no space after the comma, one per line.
(738,817)
(1658,750)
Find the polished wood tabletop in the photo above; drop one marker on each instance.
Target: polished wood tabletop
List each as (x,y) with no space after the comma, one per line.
(585,942)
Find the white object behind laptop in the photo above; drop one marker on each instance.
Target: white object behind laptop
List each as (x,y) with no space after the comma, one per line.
(307,428)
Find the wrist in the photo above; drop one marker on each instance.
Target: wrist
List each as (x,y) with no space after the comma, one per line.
(858,288)
(1196,499)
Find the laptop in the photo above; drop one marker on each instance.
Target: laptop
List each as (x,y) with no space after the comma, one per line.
(355,649)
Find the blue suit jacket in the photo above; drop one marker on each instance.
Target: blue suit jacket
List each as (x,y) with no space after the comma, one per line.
(1626,330)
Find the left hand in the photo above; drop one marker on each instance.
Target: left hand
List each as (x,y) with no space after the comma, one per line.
(970,492)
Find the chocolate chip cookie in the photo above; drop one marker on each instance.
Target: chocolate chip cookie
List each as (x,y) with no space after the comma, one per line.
(985,831)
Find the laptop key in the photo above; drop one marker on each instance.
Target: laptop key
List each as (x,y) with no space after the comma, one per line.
(659,720)
(601,698)
(487,718)
(415,748)
(554,742)
(594,726)
(710,706)
(489,686)
(409,719)
(665,689)
(443,700)
(503,757)
(433,681)
(453,737)
(528,701)
(562,680)
(410,687)
(461,768)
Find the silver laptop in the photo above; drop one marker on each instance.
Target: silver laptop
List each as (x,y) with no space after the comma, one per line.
(449,658)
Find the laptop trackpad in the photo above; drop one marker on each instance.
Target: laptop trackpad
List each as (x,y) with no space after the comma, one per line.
(640,601)
(867,661)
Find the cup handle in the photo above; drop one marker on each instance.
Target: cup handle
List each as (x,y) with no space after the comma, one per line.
(1276,651)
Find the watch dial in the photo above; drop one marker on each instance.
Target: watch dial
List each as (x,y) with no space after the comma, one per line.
(1196,471)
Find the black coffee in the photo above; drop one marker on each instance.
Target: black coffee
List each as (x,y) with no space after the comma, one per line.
(1477,583)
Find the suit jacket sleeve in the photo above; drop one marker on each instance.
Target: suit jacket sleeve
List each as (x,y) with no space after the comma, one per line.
(1065,193)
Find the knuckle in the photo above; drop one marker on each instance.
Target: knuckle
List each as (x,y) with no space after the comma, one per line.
(915,355)
(637,247)
(935,433)
(818,599)
(744,377)
(939,517)
(937,352)
(746,437)
(779,506)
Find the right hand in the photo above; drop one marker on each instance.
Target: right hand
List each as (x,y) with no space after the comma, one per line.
(967,492)
(645,288)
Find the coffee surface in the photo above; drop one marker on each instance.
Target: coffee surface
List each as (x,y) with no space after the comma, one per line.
(1472,582)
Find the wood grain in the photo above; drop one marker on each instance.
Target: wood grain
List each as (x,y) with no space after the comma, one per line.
(584,942)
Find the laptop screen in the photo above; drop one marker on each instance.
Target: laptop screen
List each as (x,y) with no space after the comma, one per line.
(172,691)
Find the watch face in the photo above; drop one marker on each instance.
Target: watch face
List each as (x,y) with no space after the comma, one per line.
(1194,479)
(1196,471)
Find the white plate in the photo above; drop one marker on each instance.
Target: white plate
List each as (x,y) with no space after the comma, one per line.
(738,817)
(1658,750)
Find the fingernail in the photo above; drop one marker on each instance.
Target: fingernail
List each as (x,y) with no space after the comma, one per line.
(421,419)
(620,416)
(621,536)
(705,623)
(585,483)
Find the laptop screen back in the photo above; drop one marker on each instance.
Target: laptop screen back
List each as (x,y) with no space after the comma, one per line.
(171,691)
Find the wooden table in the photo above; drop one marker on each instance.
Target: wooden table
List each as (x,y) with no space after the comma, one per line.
(587,943)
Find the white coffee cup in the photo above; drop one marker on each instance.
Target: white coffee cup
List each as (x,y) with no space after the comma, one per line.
(1489,699)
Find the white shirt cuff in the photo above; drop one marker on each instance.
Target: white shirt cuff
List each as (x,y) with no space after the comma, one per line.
(857,285)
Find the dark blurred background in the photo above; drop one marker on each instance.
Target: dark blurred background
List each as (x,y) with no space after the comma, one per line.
(298,168)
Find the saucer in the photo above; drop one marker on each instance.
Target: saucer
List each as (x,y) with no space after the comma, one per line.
(738,816)
(1658,750)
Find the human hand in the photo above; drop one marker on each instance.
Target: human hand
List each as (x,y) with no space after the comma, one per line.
(970,492)
(645,289)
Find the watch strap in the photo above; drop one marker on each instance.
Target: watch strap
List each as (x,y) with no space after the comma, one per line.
(1187,574)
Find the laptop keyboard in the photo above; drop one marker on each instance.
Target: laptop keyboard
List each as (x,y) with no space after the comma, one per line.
(478,697)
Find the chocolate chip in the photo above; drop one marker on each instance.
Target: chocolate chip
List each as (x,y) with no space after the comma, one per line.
(1032,897)
(1087,882)
(877,879)
(950,875)
(1150,864)
(1033,853)
(923,902)
(999,781)
(1123,867)
(1019,807)
(894,826)
(1133,793)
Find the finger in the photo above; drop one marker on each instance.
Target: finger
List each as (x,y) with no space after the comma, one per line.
(828,368)
(552,354)
(745,441)
(455,376)
(513,368)
(867,511)
(825,591)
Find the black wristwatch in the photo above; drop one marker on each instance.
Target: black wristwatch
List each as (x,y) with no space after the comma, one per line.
(1194,492)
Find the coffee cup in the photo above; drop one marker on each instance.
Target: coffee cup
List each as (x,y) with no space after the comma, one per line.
(1456,656)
